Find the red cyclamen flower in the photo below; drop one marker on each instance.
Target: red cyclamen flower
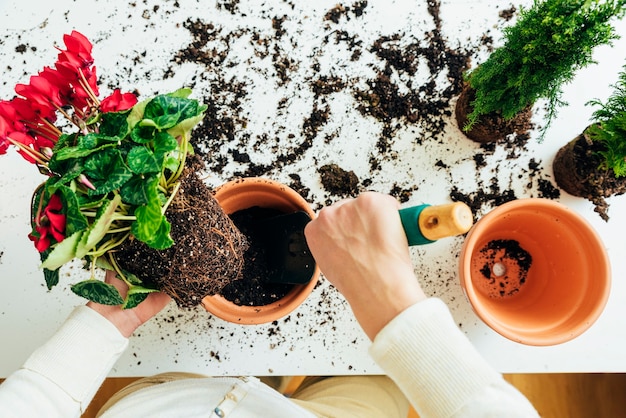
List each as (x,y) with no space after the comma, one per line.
(49,224)
(75,66)
(118,102)
(79,47)
(27,127)
(42,96)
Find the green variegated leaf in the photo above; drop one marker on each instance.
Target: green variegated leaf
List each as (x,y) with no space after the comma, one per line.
(136,114)
(186,125)
(181,93)
(139,188)
(87,145)
(115,124)
(74,219)
(103,263)
(98,292)
(132,278)
(70,168)
(132,300)
(62,252)
(136,295)
(164,143)
(142,160)
(162,238)
(107,171)
(171,163)
(148,220)
(99,227)
(143,134)
(51,277)
(165,111)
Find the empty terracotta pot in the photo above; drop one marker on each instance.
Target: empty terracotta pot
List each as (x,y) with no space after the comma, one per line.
(243,194)
(535,271)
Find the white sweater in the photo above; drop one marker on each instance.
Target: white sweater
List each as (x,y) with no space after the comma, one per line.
(422,350)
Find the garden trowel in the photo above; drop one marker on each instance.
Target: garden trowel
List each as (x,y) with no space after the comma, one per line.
(291,261)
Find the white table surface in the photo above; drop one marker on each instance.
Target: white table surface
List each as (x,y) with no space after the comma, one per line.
(320,337)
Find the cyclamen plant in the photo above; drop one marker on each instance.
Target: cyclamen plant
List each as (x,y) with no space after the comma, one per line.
(111,177)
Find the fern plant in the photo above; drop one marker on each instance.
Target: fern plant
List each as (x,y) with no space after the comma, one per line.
(609,128)
(542,51)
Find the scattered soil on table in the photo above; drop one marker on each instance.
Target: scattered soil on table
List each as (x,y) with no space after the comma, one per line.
(508,14)
(391,102)
(390,95)
(203,259)
(504,266)
(252,288)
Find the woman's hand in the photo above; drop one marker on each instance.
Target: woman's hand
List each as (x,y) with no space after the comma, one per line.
(362,250)
(128,320)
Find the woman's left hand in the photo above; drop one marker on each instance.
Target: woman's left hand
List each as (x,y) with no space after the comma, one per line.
(128,320)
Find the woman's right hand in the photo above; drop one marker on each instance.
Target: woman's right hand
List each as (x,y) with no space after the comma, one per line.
(361,248)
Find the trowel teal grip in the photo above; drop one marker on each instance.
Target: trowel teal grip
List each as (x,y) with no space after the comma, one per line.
(410,222)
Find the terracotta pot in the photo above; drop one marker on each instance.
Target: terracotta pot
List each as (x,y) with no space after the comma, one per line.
(535,271)
(243,194)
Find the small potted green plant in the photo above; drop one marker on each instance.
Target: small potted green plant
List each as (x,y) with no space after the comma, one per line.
(593,165)
(542,51)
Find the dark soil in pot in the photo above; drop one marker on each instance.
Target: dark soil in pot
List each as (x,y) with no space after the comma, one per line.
(504,265)
(576,170)
(491,127)
(208,251)
(252,287)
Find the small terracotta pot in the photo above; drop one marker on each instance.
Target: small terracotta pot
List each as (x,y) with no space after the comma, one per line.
(243,194)
(535,271)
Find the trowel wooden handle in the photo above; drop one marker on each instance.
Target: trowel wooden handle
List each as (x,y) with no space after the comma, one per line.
(425,223)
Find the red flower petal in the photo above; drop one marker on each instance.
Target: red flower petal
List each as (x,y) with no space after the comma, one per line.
(118,102)
(55,203)
(46,88)
(57,226)
(41,239)
(22,138)
(77,42)
(23,109)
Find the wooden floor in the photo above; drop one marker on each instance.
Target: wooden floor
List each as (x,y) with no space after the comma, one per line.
(554,395)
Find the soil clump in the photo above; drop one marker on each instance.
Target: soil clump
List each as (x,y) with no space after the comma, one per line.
(577,171)
(490,127)
(505,266)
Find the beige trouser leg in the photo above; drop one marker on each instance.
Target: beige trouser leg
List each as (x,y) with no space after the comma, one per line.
(328,397)
(352,396)
(144,383)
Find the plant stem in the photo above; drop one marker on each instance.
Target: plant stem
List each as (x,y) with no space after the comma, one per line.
(182,159)
(118,270)
(85,84)
(169,200)
(109,245)
(39,158)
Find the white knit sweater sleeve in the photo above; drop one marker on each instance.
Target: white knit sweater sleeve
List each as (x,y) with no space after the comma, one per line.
(61,377)
(439,370)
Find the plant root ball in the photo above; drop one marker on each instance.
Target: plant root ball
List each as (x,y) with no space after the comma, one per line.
(207,253)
